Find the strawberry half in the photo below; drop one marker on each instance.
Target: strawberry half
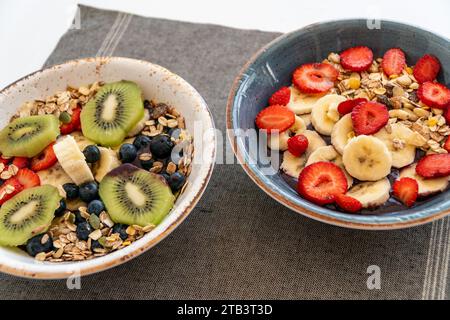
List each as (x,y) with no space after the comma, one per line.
(348,203)
(4,161)
(28,178)
(434,95)
(394,61)
(275,118)
(320,182)
(21,162)
(297,145)
(9,189)
(44,160)
(347,106)
(357,58)
(369,117)
(434,165)
(74,124)
(446,145)
(447,115)
(281,97)
(315,77)
(406,190)
(426,68)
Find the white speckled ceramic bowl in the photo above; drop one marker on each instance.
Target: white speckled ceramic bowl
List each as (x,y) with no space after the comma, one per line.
(158,84)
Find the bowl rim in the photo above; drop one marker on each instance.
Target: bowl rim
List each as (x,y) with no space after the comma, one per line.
(377,222)
(113,262)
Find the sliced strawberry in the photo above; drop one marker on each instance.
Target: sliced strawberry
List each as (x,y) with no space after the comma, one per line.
(44,160)
(74,124)
(406,190)
(315,77)
(357,58)
(347,106)
(394,61)
(4,161)
(426,68)
(446,145)
(21,162)
(348,203)
(369,117)
(297,145)
(275,118)
(447,115)
(281,97)
(434,165)
(434,95)
(9,189)
(28,178)
(321,181)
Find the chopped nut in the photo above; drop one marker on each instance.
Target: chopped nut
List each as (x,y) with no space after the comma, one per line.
(145,156)
(171,167)
(131,231)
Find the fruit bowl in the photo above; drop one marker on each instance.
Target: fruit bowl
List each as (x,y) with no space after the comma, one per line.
(156,83)
(272,67)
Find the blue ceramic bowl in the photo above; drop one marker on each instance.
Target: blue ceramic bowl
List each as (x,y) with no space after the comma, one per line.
(272,67)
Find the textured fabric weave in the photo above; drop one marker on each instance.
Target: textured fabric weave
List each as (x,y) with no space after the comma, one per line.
(238,242)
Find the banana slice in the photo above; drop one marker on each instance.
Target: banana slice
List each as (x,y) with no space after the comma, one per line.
(140,125)
(55,176)
(306,118)
(402,155)
(342,132)
(426,186)
(324,113)
(371,194)
(81,140)
(279,141)
(315,141)
(299,125)
(301,103)
(108,161)
(329,154)
(72,160)
(367,158)
(292,165)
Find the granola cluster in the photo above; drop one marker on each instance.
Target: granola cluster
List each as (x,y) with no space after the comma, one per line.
(398,93)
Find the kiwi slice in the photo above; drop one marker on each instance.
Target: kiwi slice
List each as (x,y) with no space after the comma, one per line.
(135,196)
(28,136)
(112,113)
(27,214)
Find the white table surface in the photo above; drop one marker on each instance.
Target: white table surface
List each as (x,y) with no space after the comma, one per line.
(30,29)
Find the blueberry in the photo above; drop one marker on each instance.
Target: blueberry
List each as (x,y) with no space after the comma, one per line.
(89,191)
(141,142)
(95,207)
(84,229)
(161,146)
(61,209)
(78,218)
(127,153)
(174,132)
(121,230)
(71,190)
(96,245)
(176,181)
(147,164)
(91,153)
(166,176)
(147,104)
(35,246)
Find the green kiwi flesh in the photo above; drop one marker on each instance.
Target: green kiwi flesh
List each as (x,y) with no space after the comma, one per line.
(136,196)
(27,214)
(28,136)
(114,111)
